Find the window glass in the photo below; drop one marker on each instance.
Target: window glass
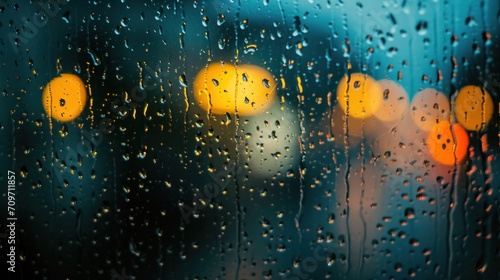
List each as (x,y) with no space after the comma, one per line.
(250,139)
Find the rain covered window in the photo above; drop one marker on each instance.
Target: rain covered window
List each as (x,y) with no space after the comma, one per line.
(250,139)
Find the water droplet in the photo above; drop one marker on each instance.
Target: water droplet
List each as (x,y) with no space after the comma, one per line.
(410,213)
(96,60)
(133,249)
(66,17)
(221,43)
(199,123)
(205,21)
(221,19)
(183,80)
(392,51)
(263,192)
(454,40)
(414,242)
(124,22)
(281,248)
(421,28)
(244,24)
(470,21)
(386,94)
(250,49)
(23,172)
(265,82)
(265,222)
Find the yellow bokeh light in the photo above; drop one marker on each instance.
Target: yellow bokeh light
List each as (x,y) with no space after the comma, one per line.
(359,94)
(244,89)
(64,97)
(448,143)
(428,108)
(474,108)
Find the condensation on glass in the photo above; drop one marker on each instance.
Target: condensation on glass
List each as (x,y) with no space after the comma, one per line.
(253,139)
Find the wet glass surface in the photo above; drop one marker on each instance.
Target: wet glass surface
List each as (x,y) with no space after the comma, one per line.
(251,139)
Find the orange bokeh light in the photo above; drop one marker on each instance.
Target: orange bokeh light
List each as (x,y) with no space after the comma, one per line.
(448,143)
